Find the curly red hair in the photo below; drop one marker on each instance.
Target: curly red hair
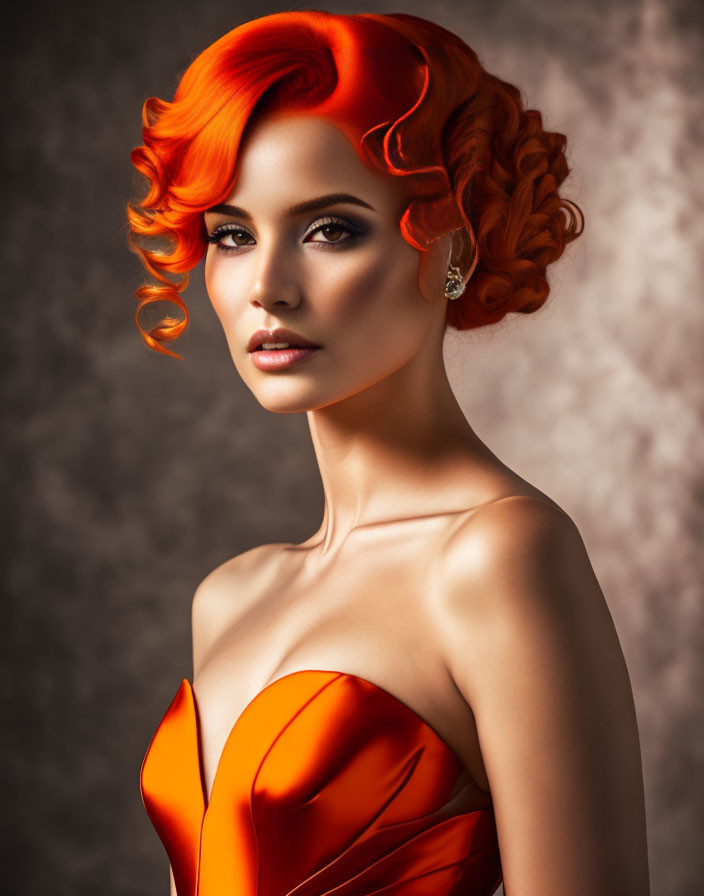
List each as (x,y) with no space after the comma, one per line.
(415,102)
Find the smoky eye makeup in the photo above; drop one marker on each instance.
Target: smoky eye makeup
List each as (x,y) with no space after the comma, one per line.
(352,232)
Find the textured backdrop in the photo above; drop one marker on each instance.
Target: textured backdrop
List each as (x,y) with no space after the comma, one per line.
(129,475)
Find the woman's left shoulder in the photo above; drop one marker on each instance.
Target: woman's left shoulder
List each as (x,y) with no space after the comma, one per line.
(519,554)
(528,640)
(517,527)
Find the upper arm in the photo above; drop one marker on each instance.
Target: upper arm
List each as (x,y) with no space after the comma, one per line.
(530,643)
(172,882)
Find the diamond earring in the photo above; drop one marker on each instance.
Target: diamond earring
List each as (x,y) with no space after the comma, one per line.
(454,286)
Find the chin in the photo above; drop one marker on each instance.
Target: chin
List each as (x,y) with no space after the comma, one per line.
(282,398)
(284,408)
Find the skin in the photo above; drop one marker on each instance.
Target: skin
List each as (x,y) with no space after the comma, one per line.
(437,572)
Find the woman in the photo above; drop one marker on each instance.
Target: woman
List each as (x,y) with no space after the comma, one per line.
(427,695)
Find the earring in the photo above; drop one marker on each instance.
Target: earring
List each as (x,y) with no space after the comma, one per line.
(454,286)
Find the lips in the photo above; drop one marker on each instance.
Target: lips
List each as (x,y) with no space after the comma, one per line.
(280,334)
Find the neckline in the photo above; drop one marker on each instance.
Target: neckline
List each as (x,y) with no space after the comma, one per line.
(208,799)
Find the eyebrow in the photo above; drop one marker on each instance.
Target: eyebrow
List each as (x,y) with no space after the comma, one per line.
(310,205)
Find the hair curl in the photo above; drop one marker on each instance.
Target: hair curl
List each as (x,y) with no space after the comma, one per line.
(415,102)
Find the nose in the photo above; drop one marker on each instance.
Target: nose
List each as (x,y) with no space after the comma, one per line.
(273,283)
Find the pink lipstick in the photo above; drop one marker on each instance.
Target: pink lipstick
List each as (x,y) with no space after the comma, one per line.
(279,349)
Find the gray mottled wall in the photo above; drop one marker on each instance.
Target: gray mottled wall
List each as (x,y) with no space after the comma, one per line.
(129,475)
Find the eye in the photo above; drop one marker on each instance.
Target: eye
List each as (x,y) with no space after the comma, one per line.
(331,228)
(334,231)
(228,230)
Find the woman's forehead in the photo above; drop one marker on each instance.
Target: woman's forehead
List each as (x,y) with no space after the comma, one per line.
(293,157)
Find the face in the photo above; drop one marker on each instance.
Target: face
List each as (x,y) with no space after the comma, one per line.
(340,275)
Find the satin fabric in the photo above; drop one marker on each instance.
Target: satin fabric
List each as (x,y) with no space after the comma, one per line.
(327,785)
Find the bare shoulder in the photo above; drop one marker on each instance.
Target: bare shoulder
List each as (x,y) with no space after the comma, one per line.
(226,593)
(240,565)
(511,553)
(512,567)
(530,643)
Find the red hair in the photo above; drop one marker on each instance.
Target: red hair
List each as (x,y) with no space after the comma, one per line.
(415,102)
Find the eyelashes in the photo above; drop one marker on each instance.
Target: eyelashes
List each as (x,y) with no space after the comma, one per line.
(353,231)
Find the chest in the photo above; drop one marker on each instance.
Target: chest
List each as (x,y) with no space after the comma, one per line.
(369,614)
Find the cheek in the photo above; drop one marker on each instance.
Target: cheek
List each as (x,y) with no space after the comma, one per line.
(376,308)
(220,288)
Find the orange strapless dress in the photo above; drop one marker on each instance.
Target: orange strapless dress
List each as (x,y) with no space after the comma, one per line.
(327,785)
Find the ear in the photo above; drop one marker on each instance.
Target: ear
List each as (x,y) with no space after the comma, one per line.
(463,252)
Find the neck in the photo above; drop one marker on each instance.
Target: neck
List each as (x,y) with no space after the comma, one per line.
(399,449)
